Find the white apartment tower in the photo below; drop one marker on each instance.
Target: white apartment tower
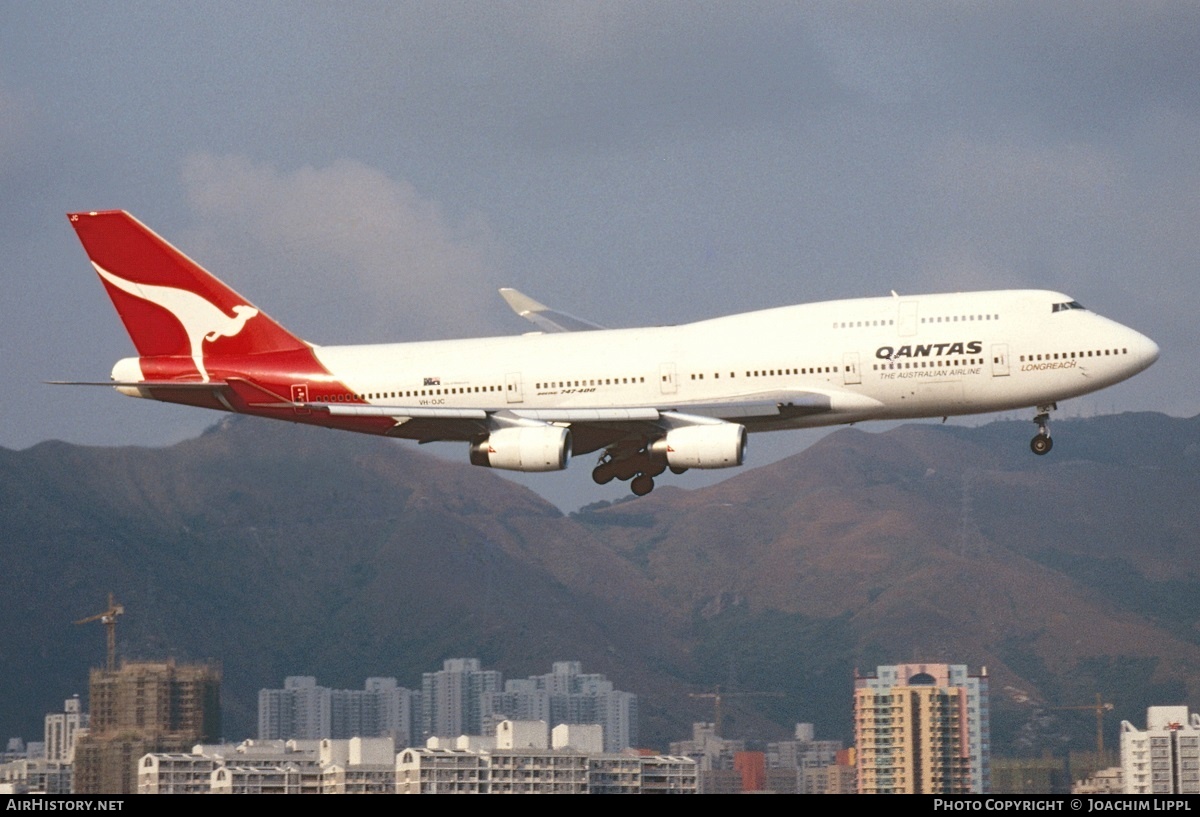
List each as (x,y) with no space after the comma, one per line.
(568,695)
(61,728)
(381,709)
(1165,757)
(452,699)
(304,711)
(299,711)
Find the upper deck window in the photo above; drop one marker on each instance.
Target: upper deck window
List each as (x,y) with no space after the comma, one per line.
(1067,305)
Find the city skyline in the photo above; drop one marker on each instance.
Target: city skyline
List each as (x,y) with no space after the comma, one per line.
(920,728)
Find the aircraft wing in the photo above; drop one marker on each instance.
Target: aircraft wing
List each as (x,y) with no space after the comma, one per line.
(547,319)
(593,427)
(564,416)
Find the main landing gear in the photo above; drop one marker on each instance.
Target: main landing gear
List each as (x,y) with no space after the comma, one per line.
(638,467)
(1041,442)
(642,484)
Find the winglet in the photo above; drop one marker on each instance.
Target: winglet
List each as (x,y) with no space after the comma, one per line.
(549,320)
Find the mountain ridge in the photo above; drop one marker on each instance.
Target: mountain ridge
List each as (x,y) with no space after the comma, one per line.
(284,550)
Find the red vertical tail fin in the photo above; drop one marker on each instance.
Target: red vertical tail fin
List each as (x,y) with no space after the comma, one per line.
(170,305)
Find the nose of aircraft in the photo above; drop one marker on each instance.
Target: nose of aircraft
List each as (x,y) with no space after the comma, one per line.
(1143,350)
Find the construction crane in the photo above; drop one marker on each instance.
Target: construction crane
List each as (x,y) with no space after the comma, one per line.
(717,695)
(1100,707)
(109,619)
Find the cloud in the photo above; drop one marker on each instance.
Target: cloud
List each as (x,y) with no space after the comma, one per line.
(363,257)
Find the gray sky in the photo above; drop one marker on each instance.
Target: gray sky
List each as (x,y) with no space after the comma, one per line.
(374,171)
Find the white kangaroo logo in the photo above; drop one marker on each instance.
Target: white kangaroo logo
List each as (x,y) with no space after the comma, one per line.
(200,319)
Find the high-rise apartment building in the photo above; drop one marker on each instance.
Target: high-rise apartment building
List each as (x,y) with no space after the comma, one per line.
(810,758)
(1165,757)
(922,729)
(568,695)
(144,707)
(452,699)
(61,729)
(710,751)
(382,709)
(304,711)
(299,711)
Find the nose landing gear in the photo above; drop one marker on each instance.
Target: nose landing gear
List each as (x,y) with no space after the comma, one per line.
(1041,442)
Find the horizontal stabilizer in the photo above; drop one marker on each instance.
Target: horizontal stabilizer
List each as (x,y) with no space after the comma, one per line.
(212,385)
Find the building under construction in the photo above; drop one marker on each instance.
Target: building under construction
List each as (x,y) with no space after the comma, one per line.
(145,706)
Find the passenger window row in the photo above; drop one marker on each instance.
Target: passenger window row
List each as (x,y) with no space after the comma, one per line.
(1074,355)
(384,395)
(958,318)
(937,319)
(774,372)
(861,324)
(606,381)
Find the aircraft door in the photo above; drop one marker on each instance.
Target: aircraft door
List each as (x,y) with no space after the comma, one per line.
(512,388)
(850,367)
(999,360)
(666,373)
(300,395)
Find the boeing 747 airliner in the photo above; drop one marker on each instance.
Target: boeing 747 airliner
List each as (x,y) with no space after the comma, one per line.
(648,400)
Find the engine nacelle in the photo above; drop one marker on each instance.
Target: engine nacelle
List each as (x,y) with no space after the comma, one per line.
(721,445)
(524,448)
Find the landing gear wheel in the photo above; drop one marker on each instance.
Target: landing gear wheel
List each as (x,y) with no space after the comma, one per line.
(675,469)
(642,485)
(1041,444)
(602,474)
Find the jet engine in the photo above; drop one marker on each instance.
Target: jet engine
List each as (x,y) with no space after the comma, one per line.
(720,445)
(524,448)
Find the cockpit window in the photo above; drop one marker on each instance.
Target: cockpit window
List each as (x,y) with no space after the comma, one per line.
(1067,305)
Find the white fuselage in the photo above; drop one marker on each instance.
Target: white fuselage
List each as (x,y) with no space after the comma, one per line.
(870,358)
